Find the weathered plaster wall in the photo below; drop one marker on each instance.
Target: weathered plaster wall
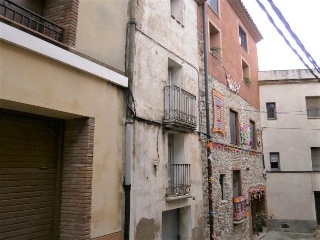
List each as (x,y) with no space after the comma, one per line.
(159,38)
(33,83)
(292,134)
(297,195)
(101,31)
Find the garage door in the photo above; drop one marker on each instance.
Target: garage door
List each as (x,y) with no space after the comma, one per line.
(28,173)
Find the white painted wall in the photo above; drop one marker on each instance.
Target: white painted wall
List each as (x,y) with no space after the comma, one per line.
(290,195)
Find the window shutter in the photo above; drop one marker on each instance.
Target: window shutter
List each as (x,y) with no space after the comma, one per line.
(313,107)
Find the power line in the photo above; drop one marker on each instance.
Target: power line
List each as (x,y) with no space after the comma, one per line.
(285,39)
(291,128)
(294,36)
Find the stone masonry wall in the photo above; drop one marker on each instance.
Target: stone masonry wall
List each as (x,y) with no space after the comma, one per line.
(227,158)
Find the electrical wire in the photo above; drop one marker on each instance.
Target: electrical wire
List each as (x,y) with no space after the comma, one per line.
(286,40)
(294,36)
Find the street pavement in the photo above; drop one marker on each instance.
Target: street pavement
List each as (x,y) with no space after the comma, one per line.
(272,235)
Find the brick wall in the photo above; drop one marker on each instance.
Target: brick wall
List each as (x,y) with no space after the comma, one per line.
(77,179)
(63,13)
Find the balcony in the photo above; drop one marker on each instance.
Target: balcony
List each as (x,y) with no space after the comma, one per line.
(180,109)
(179,180)
(28,20)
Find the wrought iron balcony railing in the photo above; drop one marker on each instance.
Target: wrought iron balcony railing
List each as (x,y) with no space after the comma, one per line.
(180,107)
(179,180)
(31,20)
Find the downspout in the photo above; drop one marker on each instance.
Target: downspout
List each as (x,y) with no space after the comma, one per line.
(129,129)
(208,132)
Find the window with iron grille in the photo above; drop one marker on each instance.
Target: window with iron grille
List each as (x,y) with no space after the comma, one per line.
(271,110)
(313,107)
(274,161)
(242,38)
(315,157)
(233,127)
(214,5)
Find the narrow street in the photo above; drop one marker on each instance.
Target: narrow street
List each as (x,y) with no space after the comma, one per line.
(273,235)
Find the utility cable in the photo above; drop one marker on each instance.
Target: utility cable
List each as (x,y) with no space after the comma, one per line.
(285,39)
(294,36)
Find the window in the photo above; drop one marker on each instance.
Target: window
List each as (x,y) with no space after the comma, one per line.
(252,134)
(313,107)
(214,6)
(242,38)
(271,110)
(236,183)
(222,181)
(177,10)
(246,73)
(179,178)
(274,161)
(214,41)
(233,127)
(315,157)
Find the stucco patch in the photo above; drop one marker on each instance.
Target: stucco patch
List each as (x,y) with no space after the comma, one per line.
(146,229)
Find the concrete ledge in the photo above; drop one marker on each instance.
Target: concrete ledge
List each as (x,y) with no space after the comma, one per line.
(289,225)
(175,198)
(44,48)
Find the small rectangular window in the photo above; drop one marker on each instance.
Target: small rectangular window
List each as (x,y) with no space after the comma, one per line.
(271,110)
(243,38)
(214,41)
(274,161)
(315,156)
(313,107)
(177,7)
(214,6)
(222,181)
(252,134)
(236,183)
(233,127)
(246,73)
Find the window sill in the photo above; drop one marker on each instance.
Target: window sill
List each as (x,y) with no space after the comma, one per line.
(224,201)
(174,18)
(271,118)
(239,222)
(176,198)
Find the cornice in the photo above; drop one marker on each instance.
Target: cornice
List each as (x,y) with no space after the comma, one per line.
(246,19)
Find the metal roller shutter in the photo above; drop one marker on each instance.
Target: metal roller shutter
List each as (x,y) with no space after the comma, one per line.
(28,176)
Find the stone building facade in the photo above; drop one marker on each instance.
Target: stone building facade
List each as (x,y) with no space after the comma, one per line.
(234,183)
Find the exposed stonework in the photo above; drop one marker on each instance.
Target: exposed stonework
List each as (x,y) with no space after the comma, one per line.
(224,160)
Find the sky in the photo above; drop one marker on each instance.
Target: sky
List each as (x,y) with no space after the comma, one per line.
(303,17)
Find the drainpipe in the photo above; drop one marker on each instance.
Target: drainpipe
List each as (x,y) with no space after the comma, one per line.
(208,132)
(129,129)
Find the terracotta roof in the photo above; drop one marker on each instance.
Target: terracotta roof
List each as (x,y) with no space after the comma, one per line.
(246,19)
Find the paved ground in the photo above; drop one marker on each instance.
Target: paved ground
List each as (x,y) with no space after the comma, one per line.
(271,235)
